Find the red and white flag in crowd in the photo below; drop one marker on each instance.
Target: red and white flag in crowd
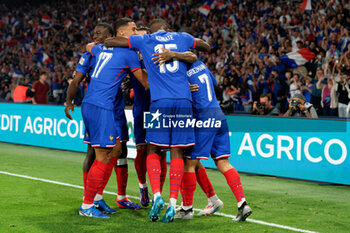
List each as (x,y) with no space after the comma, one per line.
(232,20)
(220,5)
(298,58)
(68,23)
(43,57)
(211,4)
(46,19)
(204,10)
(306,5)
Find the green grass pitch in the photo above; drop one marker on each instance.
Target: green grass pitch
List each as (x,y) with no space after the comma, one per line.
(35,206)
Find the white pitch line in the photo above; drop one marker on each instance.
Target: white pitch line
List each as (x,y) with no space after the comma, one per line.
(113,193)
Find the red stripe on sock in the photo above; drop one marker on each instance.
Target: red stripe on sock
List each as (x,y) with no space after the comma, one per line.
(94,181)
(122,178)
(164,169)
(84,178)
(188,186)
(176,174)
(204,182)
(107,175)
(140,165)
(154,170)
(234,181)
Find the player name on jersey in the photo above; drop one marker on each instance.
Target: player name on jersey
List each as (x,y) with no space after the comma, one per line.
(164,38)
(195,70)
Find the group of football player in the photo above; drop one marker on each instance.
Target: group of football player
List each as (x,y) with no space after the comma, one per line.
(168,81)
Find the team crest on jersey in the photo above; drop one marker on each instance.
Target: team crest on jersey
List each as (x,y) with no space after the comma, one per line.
(111,138)
(87,135)
(81,61)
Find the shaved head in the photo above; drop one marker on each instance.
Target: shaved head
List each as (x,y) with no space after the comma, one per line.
(158,24)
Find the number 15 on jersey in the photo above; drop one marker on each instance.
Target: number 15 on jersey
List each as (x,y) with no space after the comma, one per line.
(167,67)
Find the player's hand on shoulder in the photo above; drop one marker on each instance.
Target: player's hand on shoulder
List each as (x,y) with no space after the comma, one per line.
(89,46)
(163,56)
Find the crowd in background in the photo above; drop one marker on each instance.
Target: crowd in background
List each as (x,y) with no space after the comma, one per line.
(247,39)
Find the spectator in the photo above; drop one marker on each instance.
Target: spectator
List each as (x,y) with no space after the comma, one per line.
(219,75)
(294,87)
(306,88)
(4,90)
(229,95)
(264,107)
(333,53)
(329,100)
(41,90)
(298,107)
(343,92)
(5,93)
(299,45)
(246,97)
(280,89)
(57,82)
(22,94)
(317,92)
(295,37)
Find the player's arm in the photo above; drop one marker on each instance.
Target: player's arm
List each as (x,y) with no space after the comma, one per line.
(167,55)
(141,75)
(89,47)
(71,92)
(201,45)
(117,42)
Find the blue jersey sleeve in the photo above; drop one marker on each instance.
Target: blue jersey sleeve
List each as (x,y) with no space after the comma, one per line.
(84,63)
(96,50)
(133,61)
(188,40)
(136,41)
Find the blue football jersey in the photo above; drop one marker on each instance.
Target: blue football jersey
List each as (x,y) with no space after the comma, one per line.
(112,65)
(142,96)
(86,63)
(169,80)
(204,100)
(119,102)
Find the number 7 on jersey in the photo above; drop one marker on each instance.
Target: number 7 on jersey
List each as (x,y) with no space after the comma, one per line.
(205,79)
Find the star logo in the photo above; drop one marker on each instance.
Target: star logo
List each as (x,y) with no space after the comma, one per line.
(151,120)
(156,115)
